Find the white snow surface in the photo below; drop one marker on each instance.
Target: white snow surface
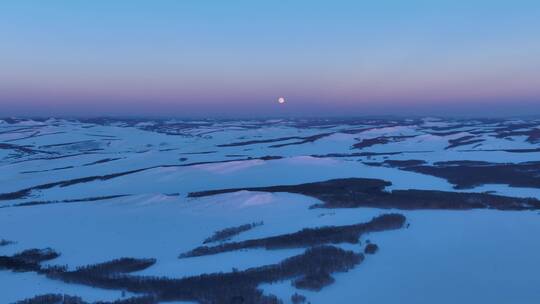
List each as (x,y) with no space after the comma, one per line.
(476,256)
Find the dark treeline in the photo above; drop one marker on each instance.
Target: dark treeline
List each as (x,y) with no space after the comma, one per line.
(67,299)
(362,192)
(316,189)
(5,242)
(524,150)
(78,200)
(259,141)
(308,236)
(28,260)
(123,265)
(311,270)
(381,140)
(463,141)
(53,299)
(371,248)
(227,233)
(313,281)
(533,134)
(301,140)
(48,170)
(23,149)
(68,143)
(304,140)
(469,174)
(368,142)
(102,161)
(403,163)
(362,154)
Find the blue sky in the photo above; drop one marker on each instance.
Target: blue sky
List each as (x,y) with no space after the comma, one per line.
(236,57)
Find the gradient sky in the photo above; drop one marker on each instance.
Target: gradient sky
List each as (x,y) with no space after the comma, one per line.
(235,58)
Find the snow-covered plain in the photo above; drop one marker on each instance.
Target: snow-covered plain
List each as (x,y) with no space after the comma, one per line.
(475,256)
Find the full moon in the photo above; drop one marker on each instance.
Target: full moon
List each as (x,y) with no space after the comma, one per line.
(281,100)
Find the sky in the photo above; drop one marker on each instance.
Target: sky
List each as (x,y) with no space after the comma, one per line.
(235,58)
